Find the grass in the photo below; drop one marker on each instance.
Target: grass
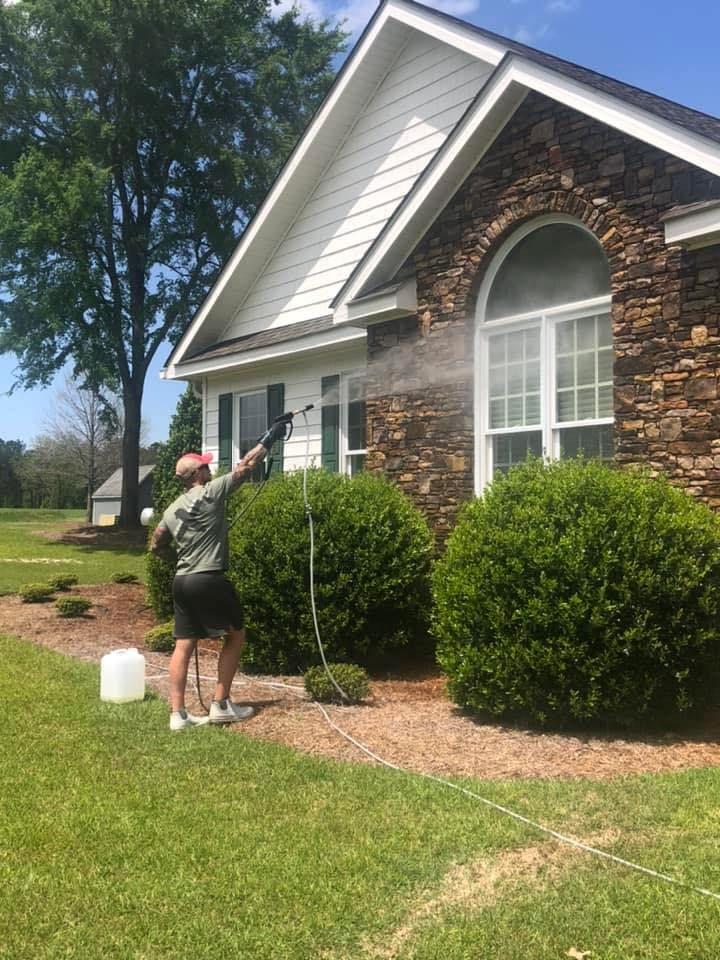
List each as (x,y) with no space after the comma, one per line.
(27,557)
(121,840)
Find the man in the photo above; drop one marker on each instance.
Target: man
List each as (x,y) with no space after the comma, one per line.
(205,601)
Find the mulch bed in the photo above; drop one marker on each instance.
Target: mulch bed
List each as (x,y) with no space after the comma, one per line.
(407,721)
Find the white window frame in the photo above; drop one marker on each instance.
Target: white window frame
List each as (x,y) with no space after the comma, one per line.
(346,452)
(546,320)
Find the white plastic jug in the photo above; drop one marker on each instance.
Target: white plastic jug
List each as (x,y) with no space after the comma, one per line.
(122,676)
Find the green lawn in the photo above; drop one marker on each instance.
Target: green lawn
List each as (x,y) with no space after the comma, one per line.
(119,840)
(27,557)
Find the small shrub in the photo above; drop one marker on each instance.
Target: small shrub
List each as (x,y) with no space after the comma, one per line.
(351,679)
(373,552)
(72,606)
(574,594)
(36,592)
(160,639)
(124,577)
(63,581)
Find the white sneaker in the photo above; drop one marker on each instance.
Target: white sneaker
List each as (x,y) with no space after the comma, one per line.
(225,711)
(182,720)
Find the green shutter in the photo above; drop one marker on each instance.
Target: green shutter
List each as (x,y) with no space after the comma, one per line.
(225,426)
(330,449)
(275,407)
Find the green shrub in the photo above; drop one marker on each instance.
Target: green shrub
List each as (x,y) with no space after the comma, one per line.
(575,593)
(36,592)
(373,553)
(124,577)
(160,639)
(63,581)
(72,606)
(352,680)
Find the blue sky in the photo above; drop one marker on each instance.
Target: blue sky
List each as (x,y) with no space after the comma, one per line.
(666,47)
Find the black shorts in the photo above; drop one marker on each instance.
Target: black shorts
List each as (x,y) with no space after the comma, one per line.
(206,605)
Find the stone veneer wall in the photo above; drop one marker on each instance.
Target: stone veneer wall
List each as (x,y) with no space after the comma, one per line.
(665,308)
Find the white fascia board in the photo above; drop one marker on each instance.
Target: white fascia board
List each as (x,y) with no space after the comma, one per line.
(280,351)
(694,228)
(615,112)
(457,35)
(385,305)
(507,87)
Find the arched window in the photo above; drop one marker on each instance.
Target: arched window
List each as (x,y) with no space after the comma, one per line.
(544,365)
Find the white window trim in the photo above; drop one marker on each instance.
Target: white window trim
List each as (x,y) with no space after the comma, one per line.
(546,321)
(346,452)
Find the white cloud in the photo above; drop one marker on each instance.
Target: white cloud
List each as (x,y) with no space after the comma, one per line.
(530,36)
(562,6)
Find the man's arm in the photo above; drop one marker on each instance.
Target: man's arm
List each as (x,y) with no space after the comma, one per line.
(161,543)
(248,463)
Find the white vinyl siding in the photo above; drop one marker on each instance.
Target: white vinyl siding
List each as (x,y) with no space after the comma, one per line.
(301,380)
(394,138)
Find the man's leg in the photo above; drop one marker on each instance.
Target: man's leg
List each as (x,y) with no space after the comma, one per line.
(228,662)
(179,663)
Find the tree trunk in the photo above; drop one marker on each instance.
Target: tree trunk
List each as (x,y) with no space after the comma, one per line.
(130,506)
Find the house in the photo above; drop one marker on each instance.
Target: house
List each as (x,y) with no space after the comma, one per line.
(106,499)
(475,250)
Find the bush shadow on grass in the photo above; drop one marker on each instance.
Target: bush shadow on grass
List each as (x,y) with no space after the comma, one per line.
(101,538)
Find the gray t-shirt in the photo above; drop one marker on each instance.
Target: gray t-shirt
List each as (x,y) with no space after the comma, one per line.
(196,521)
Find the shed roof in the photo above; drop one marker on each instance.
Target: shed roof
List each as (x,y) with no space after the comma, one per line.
(112,488)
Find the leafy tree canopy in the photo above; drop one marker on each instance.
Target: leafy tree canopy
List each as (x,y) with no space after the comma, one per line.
(136,140)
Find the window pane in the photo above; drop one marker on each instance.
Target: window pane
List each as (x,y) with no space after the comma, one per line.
(532,377)
(356,425)
(497,414)
(515,412)
(513,375)
(515,378)
(605,401)
(565,372)
(586,368)
(604,330)
(605,366)
(566,405)
(253,417)
(513,448)
(558,263)
(497,381)
(583,374)
(586,333)
(532,408)
(587,442)
(357,463)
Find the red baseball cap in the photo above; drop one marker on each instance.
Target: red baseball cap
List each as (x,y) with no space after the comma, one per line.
(190,462)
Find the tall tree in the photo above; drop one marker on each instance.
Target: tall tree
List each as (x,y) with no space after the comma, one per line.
(136,140)
(11,454)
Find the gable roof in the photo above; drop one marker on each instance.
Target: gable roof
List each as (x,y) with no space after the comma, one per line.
(517,69)
(112,487)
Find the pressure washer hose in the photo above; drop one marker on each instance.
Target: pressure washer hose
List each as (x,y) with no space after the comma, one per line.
(562,838)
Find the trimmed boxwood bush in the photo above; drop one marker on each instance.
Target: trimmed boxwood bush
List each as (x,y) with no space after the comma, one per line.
(573,593)
(72,606)
(352,680)
(63,581)
(124,577)
(373,552)
(36,592)
(160,639)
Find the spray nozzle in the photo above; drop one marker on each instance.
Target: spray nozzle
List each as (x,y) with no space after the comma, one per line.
(287,417)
